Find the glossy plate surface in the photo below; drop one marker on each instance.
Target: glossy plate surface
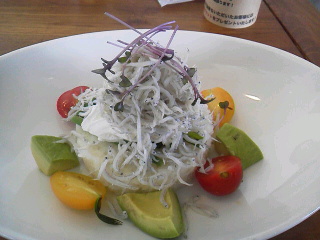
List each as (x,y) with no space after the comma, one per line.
(277,98)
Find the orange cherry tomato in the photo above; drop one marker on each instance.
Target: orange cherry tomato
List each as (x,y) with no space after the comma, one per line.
(77,190)
(222,106)
(67,100)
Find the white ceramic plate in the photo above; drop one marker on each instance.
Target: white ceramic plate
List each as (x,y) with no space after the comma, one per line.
(277,99)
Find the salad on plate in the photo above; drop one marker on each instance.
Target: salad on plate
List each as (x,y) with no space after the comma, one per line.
(146,131)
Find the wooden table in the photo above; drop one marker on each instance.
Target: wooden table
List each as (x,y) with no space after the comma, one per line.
(289,25)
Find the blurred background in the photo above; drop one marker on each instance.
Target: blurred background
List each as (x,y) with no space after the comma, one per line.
(316,3)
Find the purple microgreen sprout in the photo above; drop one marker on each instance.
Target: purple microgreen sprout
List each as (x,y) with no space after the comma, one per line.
(136,30)
(119,106)
(116,45)
(102,217)
(125,93)
(102,72)
(162,54)
(122,60)
(125,58)
(225,105)
(109,91)
(107,65)
(191,72)
(125,82)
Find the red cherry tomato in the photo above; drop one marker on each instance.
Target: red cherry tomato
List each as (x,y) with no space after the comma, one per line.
(223,178)
(67,100)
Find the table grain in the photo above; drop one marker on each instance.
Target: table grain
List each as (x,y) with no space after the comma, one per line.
(301,21)
(280,24)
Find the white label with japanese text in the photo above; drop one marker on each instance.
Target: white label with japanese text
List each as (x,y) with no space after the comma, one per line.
(232,13)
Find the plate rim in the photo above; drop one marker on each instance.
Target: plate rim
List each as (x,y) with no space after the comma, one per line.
(241,40)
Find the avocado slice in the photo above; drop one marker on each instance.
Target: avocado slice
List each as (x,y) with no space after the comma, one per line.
(51,156)
(239,144)
(147,212)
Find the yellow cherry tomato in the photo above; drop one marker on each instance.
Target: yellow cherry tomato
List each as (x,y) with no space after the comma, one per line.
(77,190)
(222,106)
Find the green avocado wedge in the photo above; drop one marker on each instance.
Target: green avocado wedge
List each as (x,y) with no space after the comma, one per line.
(51,156)
(147,212)
(239,144)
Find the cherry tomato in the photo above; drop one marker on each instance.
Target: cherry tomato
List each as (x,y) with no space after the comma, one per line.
(221,106)
(77,190)
(223,178)
(67,100)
